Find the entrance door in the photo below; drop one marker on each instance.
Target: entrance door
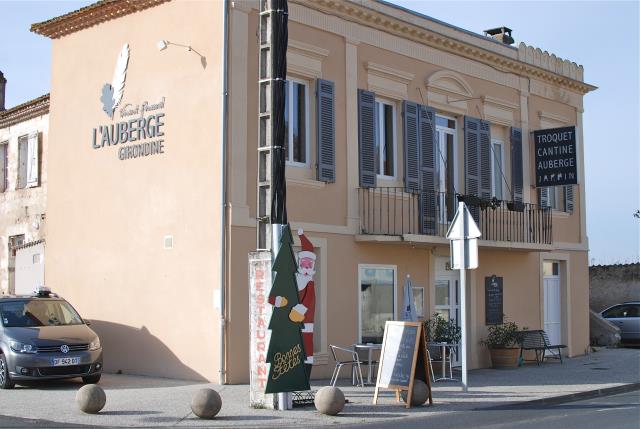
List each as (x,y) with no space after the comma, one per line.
(447,295)
(552,302)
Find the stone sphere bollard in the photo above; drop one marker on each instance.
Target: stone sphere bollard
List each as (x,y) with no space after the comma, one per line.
(329,400)
(206,403)
(91,399)
(419,395)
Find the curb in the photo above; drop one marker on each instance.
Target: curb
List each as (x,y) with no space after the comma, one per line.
(554,400)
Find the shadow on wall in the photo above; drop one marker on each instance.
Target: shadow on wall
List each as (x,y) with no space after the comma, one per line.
(136,351)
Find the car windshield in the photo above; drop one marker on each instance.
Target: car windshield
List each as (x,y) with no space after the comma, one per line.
(38,312)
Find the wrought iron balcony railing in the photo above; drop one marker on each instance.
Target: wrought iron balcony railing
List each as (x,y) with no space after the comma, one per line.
(393,211)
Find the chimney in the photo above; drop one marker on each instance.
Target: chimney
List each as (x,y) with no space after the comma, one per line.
(502,34)
(3,85)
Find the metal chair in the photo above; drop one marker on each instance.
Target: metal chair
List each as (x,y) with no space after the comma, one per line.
(438,357)
(344,356)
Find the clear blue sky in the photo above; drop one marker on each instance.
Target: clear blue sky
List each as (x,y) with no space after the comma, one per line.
(602,36)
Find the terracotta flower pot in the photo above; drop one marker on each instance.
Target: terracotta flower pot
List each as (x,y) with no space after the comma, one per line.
(505,358)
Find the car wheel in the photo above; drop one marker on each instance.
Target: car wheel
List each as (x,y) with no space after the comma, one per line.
(91,379)
(5,379)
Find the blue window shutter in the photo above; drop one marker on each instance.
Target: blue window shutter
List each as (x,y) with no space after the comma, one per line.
(472,161)
(485,159)
(367,138)
(471,156)
(568,198)
(411,149)
(516,165)
(325,126)
(428,139)
(543,197)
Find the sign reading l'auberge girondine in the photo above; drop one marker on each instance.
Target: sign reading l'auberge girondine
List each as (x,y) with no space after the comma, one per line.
(139,123)
(136,127)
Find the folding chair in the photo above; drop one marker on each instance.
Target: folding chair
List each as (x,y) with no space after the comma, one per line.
(344,356)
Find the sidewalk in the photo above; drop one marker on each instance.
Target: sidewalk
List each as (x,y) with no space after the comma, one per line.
(153,402)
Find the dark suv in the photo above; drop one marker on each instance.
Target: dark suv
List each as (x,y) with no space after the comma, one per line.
(42,337)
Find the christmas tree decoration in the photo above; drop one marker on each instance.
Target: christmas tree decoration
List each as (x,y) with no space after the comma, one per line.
(286,352)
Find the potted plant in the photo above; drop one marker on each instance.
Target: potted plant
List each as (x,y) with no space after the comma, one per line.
(441,330)
(503,342)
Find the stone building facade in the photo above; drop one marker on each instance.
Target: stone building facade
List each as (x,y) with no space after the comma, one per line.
(24,133)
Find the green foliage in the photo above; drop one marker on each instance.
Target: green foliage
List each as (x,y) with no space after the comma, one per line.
(441,330)
(503,336)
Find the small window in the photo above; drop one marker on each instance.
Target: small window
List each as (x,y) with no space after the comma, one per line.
(15,241)
(385,139)
(497,169)
(4,166)
(377,301)
(23,162)
(551,268)
(555,198)
(445,122)
(296,113)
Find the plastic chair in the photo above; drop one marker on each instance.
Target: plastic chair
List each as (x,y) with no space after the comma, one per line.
(344,356)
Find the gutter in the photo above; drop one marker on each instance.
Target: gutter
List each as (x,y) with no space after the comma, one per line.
(223,181)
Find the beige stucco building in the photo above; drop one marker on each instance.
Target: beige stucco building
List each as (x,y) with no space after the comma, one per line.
(151,212)
(24,133)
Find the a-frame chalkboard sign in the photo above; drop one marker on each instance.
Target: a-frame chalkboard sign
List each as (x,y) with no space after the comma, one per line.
(403,355)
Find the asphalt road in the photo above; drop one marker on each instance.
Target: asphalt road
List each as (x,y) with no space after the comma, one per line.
(620,411)
(611,412)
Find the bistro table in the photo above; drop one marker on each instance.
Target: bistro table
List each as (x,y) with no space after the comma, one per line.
(369,348)
(443,355)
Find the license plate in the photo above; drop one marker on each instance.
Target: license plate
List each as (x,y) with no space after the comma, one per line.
(66,361)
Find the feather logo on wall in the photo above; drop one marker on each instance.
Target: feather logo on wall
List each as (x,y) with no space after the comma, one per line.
(112,93)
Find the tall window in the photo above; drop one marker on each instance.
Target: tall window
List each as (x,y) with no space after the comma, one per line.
(385,139)
(377,301)
(447,169)
(4,164)
(497,169)
(296,113)
(28,161)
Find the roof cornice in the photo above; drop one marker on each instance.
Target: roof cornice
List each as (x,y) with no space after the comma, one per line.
(524,60)
(97,13)
(25,111)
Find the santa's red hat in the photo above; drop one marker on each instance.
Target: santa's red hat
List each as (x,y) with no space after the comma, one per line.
(307,247)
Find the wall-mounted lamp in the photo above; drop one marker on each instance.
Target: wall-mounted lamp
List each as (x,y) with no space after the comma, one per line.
(162,45)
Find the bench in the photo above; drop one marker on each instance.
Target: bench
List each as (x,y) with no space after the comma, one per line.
(538,341)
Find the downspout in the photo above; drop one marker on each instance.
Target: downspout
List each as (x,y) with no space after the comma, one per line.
(223,181)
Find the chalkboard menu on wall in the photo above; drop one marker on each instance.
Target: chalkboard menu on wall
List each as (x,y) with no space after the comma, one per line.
(493,300)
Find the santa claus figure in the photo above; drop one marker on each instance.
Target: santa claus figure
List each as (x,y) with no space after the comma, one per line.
(307,292)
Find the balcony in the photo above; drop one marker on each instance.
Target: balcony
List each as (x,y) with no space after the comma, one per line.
(392,214)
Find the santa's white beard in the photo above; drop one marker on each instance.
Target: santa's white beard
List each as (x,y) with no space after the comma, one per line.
(304,278)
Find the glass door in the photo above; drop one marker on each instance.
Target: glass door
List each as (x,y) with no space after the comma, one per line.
(447,301)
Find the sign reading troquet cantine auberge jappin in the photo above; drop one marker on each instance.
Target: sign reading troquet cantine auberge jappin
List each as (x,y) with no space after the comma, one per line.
(556,158)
